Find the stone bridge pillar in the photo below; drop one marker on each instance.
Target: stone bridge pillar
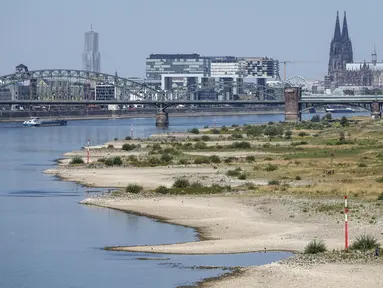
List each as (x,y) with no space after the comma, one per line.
(376,112)
(292,106)
(162,117)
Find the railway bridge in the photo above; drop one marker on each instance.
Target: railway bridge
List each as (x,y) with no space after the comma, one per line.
(68,87)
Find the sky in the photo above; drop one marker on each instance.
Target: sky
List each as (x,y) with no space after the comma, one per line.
(49,34)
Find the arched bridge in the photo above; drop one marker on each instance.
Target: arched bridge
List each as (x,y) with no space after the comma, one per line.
(69,84)
(78,85)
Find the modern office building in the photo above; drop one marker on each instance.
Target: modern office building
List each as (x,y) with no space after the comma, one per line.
(179,66)
(105,92)
(91,56)
(170,72)
(261,67)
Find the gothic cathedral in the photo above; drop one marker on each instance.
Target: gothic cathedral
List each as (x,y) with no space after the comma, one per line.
(342,71)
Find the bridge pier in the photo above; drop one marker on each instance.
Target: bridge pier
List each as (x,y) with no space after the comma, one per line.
(162,117)
(376,112)
(293,109)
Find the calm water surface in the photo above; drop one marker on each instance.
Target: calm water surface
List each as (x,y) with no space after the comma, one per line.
(48,240)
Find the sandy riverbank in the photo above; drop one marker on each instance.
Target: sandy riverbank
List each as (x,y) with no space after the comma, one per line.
(235,224)
(244,220)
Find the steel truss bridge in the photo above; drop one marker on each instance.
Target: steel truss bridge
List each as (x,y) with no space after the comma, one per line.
(74,87)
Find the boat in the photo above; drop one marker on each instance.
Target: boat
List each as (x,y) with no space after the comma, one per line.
(338,109)
(37,122)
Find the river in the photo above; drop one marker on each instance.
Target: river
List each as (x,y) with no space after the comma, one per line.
(48,240)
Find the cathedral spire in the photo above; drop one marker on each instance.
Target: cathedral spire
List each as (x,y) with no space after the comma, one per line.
(337,34)
(345,28)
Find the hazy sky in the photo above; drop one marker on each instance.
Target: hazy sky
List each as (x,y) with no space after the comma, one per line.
(50,34)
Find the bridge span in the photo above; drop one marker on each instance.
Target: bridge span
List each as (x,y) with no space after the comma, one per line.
(294,103)
(65,87)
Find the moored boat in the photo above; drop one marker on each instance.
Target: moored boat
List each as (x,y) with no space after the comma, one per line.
(338,109)
(36,122)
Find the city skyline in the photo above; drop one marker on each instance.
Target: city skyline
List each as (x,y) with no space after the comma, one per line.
(133,31)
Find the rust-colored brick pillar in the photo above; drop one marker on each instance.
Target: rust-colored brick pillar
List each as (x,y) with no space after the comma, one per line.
(375,110)
(292,97)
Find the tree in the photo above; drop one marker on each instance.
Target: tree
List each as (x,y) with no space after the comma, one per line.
(194,131)
(315,118)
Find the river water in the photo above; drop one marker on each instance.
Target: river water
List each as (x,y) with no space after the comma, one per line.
(48,240)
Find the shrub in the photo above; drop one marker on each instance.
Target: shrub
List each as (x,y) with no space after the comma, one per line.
(273,182)
(273,130)
(364,242)
(181,183)
(236,136)
(215,131)
(76,160)
(288,134)
(115,139)
(133,188)
(162,190)
(315,118)
(132,158)
(234,173)
(342,137)
(315,247)
(109,162)
(128,147)
(214,159)
(271,167)
(344,121)
(250,158)
(200,145)
(241,145)
(328,116)
(127,138)
(379,180)
(194,131)
(298,178)
(302,134)
(201,160)
(110,146)
(117,161)
(171,151)
(183,162)
(153,161)
(229,159)
(224,129)
(242,176)
(196,184)
(205,138)
(166,158)
(380,197)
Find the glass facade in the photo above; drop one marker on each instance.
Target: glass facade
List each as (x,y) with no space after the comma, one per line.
(158,64)
(91,56)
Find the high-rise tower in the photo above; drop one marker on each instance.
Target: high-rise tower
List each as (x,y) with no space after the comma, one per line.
(340,52)
(91,55)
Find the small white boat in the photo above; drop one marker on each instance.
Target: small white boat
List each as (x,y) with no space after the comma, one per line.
(35,122)
(32,122)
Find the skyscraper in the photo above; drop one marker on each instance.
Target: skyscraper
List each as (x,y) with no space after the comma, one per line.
(91,56)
